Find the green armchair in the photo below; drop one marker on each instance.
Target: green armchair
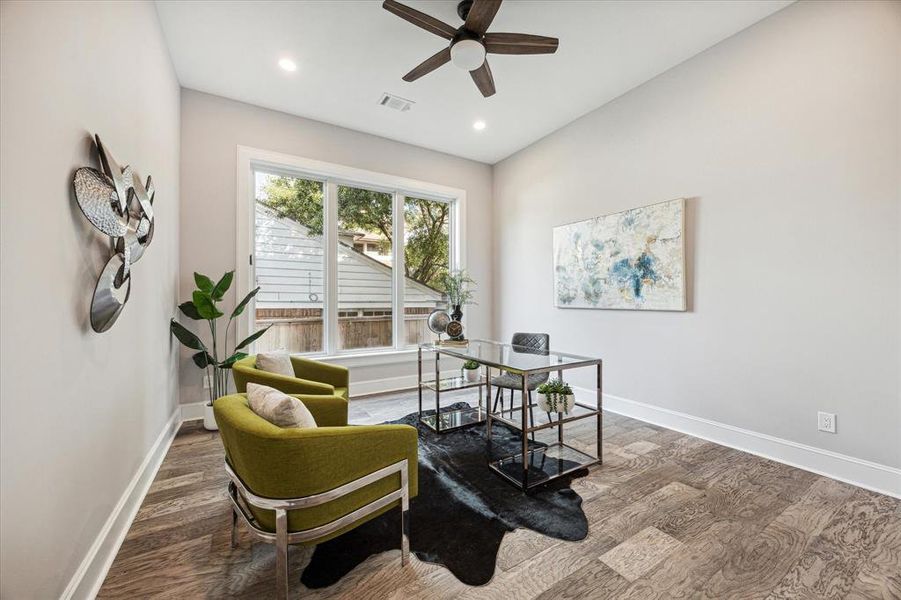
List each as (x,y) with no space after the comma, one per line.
(310,377)
(306,486)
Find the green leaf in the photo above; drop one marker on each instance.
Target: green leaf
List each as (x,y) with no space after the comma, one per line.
(185,337)
(231,360)
(190,311)
(205,306)
(252,338)
(241,305)
(203,283)
(203,359)
(222,286)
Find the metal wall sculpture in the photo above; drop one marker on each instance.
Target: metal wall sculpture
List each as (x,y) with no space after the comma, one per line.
(120,206)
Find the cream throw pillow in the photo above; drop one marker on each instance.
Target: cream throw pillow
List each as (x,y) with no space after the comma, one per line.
(275,362)
(278,408)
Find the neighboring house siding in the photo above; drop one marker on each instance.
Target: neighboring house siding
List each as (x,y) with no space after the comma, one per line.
(289,269)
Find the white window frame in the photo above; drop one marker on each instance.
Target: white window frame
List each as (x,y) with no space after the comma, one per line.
(333,175)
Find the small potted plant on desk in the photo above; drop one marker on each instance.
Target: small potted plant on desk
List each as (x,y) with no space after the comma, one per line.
(471,371)
(555,396)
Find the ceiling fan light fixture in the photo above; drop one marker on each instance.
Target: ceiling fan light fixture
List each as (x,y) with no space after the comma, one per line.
(471,41)
(468,55)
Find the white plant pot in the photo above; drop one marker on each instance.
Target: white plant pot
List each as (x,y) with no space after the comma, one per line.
(471,375)
(209,421)
(556,403)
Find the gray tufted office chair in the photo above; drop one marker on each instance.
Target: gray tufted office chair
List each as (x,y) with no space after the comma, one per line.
(538,343)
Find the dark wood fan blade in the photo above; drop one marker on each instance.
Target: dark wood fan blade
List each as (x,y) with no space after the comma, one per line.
(481,14)
(420,19)
(429,65)
(519,43)
(484,80)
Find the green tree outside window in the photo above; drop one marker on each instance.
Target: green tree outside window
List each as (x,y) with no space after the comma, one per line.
(426,248)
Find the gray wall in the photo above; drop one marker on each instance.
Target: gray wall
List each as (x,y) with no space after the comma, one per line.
(78,411)
(213,128)
(785,138)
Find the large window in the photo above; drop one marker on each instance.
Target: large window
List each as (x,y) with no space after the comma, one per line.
(365,271)
(345,266)
(289,262)
(426,262)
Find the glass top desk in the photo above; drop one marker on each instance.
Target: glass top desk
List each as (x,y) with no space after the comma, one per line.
(543,462)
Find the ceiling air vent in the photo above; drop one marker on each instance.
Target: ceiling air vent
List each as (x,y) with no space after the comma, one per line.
(396,102)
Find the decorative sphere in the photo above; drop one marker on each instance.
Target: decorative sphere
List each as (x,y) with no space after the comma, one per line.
(438,320)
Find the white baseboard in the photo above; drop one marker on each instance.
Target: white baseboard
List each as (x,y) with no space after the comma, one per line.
(862,473)
(192,411)
(89,576)
(378,386)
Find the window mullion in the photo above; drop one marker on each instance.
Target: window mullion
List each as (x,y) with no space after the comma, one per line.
(330,245)
(397,248)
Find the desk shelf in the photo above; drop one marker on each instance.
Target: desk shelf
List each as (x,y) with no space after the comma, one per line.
(545,463)
(449,420)
(449,384)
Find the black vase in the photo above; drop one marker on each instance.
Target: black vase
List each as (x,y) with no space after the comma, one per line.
(457,314)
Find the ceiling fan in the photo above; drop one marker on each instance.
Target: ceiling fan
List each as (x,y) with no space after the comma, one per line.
(470,42)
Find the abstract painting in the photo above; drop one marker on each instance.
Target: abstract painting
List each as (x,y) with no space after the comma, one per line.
(633,260)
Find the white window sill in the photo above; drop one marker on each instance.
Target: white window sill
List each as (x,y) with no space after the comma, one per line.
(371,358)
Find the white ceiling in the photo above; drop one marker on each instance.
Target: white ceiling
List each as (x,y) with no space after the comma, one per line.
(349,52)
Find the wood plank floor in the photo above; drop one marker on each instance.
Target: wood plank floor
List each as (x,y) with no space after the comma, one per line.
(670,516)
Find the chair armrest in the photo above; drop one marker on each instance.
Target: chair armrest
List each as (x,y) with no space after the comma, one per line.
(306,368)
(283,383)
(302,462)
(329,411)
(276,462)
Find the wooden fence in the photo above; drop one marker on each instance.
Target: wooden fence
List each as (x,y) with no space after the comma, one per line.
(300,329)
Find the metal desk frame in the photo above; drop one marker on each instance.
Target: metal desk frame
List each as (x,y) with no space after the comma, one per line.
(466,417)
(524,427)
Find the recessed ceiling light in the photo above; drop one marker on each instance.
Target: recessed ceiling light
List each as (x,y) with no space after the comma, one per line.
(478,125)
(288,65)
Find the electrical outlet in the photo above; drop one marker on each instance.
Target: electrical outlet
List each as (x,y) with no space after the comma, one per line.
(207,384)
(826,422)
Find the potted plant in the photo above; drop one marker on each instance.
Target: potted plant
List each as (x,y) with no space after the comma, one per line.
(203,306)
(471,371)
(555,396)
(459,287)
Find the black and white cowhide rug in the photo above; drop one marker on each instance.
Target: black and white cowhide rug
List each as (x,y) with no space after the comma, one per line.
(461,513)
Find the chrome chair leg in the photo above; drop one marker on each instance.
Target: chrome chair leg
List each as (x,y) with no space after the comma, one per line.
(282,537)
(404,518)
(281,553)
(234,527)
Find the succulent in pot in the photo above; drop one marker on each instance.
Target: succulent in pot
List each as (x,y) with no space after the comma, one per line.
(556,396)
(471,370)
